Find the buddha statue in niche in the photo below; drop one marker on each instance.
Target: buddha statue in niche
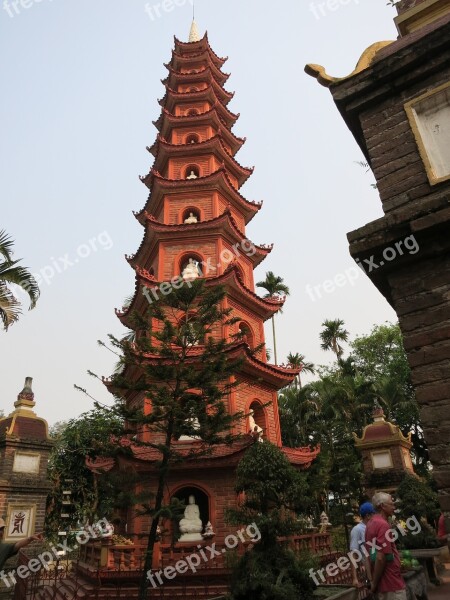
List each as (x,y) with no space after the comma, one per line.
(191,525)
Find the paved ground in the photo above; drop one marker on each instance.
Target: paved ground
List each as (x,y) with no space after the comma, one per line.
(441,592)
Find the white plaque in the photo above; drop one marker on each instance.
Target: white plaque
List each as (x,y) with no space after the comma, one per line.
(26,463)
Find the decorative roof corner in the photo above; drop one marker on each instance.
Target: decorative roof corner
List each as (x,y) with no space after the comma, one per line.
(367,57)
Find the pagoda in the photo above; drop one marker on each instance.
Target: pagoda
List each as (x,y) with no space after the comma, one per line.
(194,225)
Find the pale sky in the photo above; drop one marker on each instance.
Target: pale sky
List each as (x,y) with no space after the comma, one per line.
(80,83)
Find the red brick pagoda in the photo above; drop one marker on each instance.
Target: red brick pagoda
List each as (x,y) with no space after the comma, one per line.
(195,226)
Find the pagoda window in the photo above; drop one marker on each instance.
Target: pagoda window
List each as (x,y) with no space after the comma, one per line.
(245,334)
(193,89)
(192,112)
(259,416)
(192,138)
(190,215)
(192,172)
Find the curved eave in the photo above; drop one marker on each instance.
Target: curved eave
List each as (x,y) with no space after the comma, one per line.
(213,145)
(177,56)
(274,375)
(218,75)
(223,95)
(208,118)
(201,45)
(172,97)
(263,307)
(156,231)
(199,75)
(218,180)
(169,118)
(301,457)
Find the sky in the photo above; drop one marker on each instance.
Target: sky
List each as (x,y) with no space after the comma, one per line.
(80,82)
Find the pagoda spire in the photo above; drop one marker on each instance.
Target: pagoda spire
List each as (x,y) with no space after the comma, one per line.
(194,35)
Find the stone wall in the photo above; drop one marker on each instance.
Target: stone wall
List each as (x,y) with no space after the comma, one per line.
(417,285)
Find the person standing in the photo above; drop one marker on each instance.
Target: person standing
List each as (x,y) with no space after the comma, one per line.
(387,581)
(357,539)
(8,550)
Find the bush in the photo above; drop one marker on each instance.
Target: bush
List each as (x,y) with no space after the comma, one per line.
(278,574)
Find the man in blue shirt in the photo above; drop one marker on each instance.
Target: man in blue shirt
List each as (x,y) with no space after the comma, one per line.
(357,539)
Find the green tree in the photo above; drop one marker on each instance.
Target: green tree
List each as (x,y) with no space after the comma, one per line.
(332,334)
(273,491)
(184,368)
(90,435)
(275,287)
(381,359)
(12,273)
(298,361)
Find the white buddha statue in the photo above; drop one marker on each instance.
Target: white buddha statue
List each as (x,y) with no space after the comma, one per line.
(191,270)
(192,175)
(191,525)
(255,430)
(191,219)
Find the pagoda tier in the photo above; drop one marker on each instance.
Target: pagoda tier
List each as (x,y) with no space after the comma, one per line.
(192,49)
(210,194)
(206,97)
(144,458)
(170,156)
(193,73)
(179,61)
(238,292)
(224,226)
(176,128)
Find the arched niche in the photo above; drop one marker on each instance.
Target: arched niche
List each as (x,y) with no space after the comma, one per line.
(189,214)
(187,261)
(192,138)
(192,172)
(201,499)
(192,112)
(246,333)
(259,415)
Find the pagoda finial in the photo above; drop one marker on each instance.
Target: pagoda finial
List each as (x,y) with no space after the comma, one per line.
(194,35)
(25,400)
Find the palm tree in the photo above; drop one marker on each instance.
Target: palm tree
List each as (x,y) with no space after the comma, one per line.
(298,362)
(332,334)
(11,273)
(275,287)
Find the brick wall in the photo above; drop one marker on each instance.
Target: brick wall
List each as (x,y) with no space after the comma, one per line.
(416,286)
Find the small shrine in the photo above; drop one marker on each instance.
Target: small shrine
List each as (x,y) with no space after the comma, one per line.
(385,454)
(24,450)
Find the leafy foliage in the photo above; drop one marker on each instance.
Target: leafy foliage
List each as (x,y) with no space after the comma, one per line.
(90,435)
(272,490)
(12,273)
(174,380)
